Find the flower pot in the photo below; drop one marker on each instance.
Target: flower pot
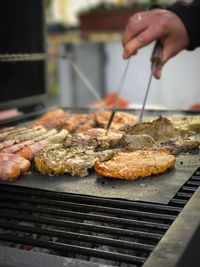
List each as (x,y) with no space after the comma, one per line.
(106,19)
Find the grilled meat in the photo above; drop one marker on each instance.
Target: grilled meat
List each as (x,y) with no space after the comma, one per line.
(186,123)
(137,142)
(11,166)
(6,143)
(12,146)
(5,134)
(103,139)
(160,129)
(75,160)
(136,164)
(6,129)
(27,134)
(28,152)
(77,140)
(120,119)
(164,137)
(180,145)
(50,119)
(77,122)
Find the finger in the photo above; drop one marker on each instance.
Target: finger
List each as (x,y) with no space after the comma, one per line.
(168,52)
(141,40)
(136,24)
(158,72)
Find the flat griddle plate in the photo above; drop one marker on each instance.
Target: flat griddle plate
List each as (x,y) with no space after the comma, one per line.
(158,189)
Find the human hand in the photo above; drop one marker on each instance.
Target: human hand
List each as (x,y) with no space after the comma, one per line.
(158,24)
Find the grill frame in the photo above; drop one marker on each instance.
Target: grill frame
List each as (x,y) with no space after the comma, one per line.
(178,210)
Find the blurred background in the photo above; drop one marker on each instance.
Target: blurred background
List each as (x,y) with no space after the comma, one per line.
(90,31)
(84,62)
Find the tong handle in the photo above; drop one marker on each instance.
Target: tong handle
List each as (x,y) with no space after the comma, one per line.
(156,58)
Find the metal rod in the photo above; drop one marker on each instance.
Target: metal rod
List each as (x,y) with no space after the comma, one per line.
(19,190)
(90,217)
(84,226)
(74,249)
(90,208)
(78,237)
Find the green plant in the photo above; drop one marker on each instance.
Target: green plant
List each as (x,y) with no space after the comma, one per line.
(48,3)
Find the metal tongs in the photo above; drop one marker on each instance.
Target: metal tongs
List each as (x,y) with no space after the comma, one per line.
(156,59)
(118,94)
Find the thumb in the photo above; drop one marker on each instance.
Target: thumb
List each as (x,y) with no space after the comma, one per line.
(166,55)
(157,72)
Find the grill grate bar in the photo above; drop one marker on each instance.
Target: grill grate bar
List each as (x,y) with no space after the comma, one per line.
(178,202)
(78,237)
(84,226)
(186,191)
(184,195)
(195,177)
(195,183)
(90,208)
(189,189)
(72,223)
(89,217)
(74,249)
(86,199)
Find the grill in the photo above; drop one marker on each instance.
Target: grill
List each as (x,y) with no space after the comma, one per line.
(85,229)
(48,228)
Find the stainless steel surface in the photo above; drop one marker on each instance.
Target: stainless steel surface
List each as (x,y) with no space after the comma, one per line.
(42,56)
(22,57)
(179,247)
(155,59)
(119,89)
(14,257)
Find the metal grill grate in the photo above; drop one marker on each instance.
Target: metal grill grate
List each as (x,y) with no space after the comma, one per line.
(87,227)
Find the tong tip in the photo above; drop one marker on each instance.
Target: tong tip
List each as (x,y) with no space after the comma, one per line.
(110,121)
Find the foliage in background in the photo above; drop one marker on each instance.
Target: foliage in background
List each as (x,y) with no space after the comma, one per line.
(48,3)
(105,6)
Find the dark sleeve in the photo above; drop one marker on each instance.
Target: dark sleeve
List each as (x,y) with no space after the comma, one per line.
(190,16)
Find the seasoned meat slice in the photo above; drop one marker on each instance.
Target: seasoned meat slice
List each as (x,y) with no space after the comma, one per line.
(77,122)
(77,140)
(137,142)
(136,164)
(160,129)
(120,119)
(103,139)
(186,122)
(166,137)
(75,160)
(180,145)
(50,119)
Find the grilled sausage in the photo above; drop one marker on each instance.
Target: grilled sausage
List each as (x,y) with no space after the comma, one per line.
(28,152)
(12,165)
(6,143)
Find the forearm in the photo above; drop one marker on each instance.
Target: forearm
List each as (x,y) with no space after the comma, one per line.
(190,16)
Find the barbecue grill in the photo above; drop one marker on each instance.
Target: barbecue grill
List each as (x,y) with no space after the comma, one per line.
(93,231)
(42,225)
